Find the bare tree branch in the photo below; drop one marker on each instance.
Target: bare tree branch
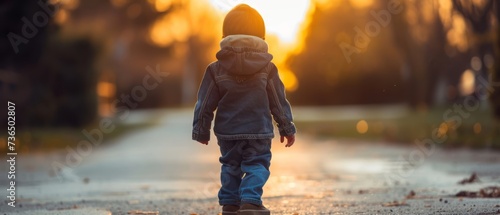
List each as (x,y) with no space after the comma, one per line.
(486,11)
(478,21)
(457,4)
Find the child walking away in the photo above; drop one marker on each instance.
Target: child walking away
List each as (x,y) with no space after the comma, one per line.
(244,86)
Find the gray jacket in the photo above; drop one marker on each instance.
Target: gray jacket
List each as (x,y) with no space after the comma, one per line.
(244,86)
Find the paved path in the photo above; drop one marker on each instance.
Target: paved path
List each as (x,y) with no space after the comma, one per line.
(158,169)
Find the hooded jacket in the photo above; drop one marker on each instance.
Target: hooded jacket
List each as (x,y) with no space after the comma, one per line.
(244,86)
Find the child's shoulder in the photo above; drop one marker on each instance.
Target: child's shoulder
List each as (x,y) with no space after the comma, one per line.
(211,67)
(213,63)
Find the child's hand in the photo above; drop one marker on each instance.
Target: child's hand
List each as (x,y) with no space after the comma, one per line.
(203,142)
(289,140)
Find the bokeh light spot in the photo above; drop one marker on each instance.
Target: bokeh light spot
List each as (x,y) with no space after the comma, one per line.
(289,80)
(477,128)
(172,27)
(489,61)
(467,83)
(443,129)
(362,126)
(106,89)
(162,5)
(476,63)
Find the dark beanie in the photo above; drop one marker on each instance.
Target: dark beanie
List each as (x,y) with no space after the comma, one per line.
(243,19)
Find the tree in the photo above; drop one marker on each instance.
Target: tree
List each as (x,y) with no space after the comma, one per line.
(418,35)
(478,16)
(53,76)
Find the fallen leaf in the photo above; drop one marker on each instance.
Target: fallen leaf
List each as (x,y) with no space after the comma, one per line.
(395,204)
(472,179)
(487,192)
(411,195)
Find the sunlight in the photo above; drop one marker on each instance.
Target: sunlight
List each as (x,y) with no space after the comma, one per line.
(289,79)
(282,21)
(328,3)
(456,33)
(172,27)
(161,5)
(361,3)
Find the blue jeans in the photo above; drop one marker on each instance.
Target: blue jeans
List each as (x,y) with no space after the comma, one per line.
(244,171)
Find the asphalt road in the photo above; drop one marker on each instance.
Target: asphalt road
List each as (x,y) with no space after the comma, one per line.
(159,170)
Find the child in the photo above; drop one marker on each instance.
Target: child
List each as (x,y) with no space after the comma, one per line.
(244,87)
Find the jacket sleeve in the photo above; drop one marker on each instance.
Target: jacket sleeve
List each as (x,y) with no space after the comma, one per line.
(208,98)
(280,107)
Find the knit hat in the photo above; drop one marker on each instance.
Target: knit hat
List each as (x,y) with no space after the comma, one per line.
(243,19)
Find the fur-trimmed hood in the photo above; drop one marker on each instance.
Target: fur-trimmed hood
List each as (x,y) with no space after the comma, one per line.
(243,54)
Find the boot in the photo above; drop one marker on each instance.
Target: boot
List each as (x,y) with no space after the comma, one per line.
(230,209)
(252,209)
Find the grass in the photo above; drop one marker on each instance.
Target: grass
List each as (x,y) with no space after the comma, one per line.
(478,130)
(47,139)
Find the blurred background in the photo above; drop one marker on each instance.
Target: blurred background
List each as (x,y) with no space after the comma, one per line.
(381,70)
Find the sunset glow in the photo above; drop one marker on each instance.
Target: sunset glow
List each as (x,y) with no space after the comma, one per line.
(287,24)
(170,28)
(283,18)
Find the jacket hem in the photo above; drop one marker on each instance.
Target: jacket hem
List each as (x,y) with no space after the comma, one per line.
(244,136)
